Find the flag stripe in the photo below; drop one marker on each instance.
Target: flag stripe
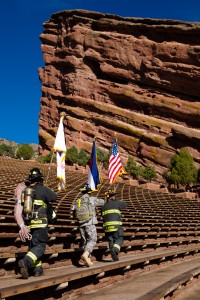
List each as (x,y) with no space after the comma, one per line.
(115,173)
(113,161)
(115,168)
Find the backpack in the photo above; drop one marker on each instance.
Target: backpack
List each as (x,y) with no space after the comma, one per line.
(51,214)
(83,209)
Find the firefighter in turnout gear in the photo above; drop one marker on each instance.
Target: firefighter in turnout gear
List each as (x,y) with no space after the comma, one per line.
(32,200)
(84,210)
(112,222)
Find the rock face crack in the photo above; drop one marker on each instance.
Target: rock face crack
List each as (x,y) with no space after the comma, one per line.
(136,77)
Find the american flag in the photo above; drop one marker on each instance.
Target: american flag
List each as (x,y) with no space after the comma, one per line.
(115,165)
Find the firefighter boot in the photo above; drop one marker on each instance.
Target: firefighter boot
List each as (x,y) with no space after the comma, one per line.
(114,255)
(23,268)
(38,271)
(86,259)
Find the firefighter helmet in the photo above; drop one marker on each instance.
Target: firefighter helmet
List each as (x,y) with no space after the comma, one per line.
(35,175)
(85,188)
(110,193)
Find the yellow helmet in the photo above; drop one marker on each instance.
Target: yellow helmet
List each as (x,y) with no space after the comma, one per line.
(85,188)
(110,193)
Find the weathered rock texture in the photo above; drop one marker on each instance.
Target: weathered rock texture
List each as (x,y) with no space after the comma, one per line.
(137,77)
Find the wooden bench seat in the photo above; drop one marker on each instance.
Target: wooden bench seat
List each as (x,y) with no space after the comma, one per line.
(62,276)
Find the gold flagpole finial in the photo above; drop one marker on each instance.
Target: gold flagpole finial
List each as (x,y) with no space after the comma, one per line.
(63,114)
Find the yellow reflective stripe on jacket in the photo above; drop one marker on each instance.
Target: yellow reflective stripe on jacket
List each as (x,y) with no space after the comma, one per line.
(38,223)
(111,211)
(38,226)
(112,223)
(40,202)
(111,230)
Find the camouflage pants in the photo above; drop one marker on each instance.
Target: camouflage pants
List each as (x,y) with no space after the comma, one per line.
(89,237)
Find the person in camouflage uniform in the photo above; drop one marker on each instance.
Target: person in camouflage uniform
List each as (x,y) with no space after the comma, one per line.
(87,226)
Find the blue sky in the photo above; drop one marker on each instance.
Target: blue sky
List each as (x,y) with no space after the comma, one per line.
(21,56)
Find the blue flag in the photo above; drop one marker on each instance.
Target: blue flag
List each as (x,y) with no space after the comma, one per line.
(93,174)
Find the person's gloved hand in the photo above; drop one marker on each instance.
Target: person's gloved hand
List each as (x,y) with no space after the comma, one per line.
(24,234)
(18,191)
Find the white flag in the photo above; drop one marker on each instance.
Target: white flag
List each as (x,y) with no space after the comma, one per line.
(60,149)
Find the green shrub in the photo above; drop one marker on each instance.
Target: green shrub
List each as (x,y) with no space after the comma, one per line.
(148,173)
(103,158)
(6,150)
(132,168)
(83,158)
(47,158)
(25,151)
(71,156)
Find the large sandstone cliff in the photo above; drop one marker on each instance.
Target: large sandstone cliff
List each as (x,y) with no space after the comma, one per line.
(136,77)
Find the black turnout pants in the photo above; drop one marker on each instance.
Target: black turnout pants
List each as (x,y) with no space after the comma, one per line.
(38,241)
(115,239)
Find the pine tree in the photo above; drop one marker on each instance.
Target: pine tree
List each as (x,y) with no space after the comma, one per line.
(182,169)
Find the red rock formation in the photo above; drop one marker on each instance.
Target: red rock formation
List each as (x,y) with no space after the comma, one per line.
(136,77)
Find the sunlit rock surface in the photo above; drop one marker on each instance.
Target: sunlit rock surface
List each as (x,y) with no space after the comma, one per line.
(137,77)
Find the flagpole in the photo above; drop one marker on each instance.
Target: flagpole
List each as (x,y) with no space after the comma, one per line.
(115,136)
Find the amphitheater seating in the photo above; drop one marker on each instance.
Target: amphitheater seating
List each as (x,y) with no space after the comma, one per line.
(157,227)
